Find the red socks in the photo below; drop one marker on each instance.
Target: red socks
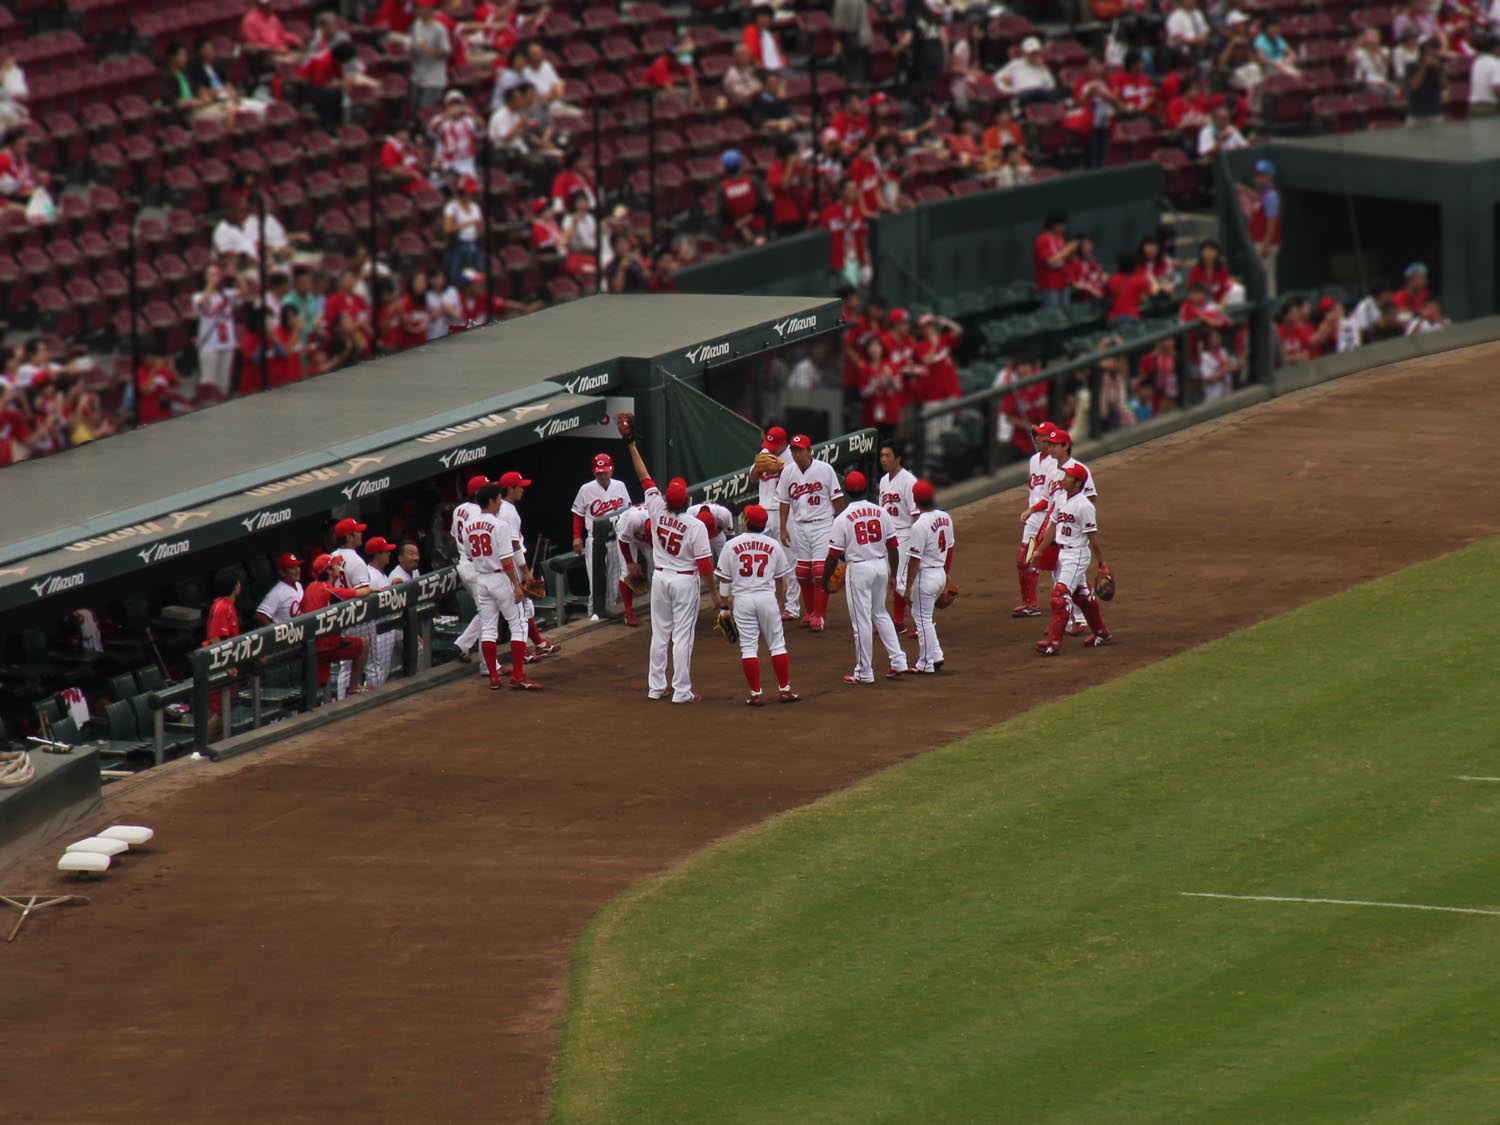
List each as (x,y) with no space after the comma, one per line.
(489,648)
(517,659)
(900,614)
(820,599)
(782,663)
(806,586)
(1029,580)
(628,597)
(1091,614)
(534,633)
(751,665)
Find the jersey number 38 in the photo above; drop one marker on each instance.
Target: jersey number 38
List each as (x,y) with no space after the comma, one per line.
(481,545)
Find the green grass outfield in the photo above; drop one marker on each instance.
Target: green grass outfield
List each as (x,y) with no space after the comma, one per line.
(995,931)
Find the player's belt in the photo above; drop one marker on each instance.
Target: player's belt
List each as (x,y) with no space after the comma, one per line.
(664,570)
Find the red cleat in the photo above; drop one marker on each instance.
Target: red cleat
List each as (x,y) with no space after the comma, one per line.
(694,698)
(1026,609)
(630,620)
(892,674)
(524,683)
(789,696)
(816,624)
(1098,640)
(496,683)
(755,700)
(1047,648)
(547,648)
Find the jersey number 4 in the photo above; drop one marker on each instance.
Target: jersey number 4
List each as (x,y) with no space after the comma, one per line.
(867,531)
(671,541)
(480,544)
(754,565)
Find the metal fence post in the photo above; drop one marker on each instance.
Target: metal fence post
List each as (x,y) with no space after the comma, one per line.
(260,253)
(309,673)
(598,201)
(1096,386)
(484,217)
(135,314)
(812,74)
(411,640)
(200,703)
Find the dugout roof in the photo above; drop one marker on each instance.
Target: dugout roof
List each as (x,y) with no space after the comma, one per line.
(123,503)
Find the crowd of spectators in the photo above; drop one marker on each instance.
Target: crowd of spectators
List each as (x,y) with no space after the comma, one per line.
(915,104)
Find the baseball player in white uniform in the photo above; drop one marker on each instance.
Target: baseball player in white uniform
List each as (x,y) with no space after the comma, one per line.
(602,497)
(864,536)
(1059,443)
(283,601)
(513,487)
(895,498)
(767,483)
(350,533)
(751,566)
(633,537)
(1075,530)
(929,561)
(810,496)
(408,558)
(683,564)
(495,549)
(378,666)
(719,522)
(462,514)
(1040,469)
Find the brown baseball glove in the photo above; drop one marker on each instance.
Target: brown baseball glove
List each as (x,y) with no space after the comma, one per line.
(635,578)
(535,587)
(625,423)
(836,578)
(948,596)
(1105,584)
(767,462)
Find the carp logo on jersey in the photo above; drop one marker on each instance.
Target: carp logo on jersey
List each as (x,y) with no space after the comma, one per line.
(891,502)
(799,490)
(599,508)
(1038,480)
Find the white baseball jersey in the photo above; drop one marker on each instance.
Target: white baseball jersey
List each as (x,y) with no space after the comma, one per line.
(215,320)
(931,539)
(768,483)
(491,542)
(1075,520)
(1054,486)
(356,570)
(723,526)
(462,514)
(634,530)
(751,563)
(679,539)
(810,492)
(510,515)
(895,498)
(457,142)
(401,574)
(1040,470)
(282,602)
(862,532)
(593,502)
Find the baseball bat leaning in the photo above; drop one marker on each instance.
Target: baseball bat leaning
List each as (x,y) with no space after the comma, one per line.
(1036,542)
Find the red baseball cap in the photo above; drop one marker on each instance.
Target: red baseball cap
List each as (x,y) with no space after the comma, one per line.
(855,481)
(603,461)
(514,479)
(377,544)
(1078,473)
(677,493)
(922,492)
(1043,430)
(706,517)
(348,527)
(1059,437)
(321,564)
(476,483)
(288,561)
(776,437)
(801,441)
(898,316)
(755,517)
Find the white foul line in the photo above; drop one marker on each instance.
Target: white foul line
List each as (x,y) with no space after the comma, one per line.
(1466,777)
(1342,902)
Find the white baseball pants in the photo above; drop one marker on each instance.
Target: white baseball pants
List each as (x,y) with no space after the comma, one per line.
(216,368)
(365,632)
(497,599)
(924,598)
(757,616)
(674,615)
(864,589)
(470,636)
(1033,525)
(1073,571)
(378,666)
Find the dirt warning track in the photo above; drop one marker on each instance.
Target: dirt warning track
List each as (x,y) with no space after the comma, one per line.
(373,921)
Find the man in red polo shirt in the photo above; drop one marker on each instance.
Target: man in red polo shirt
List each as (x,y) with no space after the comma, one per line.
(742,201)
(848,236)
(334,647)
(1053,255)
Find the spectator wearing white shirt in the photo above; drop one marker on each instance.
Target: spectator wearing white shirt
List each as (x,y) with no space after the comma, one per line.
(217,338)
(463,223)
(1216,367)
(431,48)
(13,93)
(455,135)
(1484,79)
(1187,26)
(548,84)
(1027,78)
(1220,135)
(509,124)
(445,307)
(1369,61)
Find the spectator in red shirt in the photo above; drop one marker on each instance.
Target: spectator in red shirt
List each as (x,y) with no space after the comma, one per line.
(1158,265)
(346,299)
(1023,408)
(848,236)
(742,201)
(673,68)
(880,389)
(761,40)
(402,160)
(1052,254)
(1086,276)
(1264,204)
(395,15)
(1187,111)
(334,647)
(1126,289)
(855,328)
(1133,86)
(323,80)
(156,382)
(864,170)
(574,177)
(1199,309)
(1410,298)
(1156,384)
(287,348)
(415,319)
(1210,272)
(901,350)
(1295,333)
(790,182)
(852,123)
(935,347)
(262,34)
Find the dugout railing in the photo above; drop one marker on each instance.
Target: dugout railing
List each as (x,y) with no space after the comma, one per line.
(286,654)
